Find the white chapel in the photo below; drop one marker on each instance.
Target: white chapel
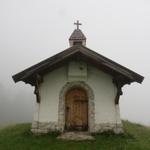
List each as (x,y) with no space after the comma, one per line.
(77,89)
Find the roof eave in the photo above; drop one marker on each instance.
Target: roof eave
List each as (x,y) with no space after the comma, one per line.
(29,73)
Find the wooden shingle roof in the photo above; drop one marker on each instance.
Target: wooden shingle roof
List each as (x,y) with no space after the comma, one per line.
(77,35)
(78,52)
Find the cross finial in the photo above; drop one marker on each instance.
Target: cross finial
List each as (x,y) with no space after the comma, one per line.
(78,24)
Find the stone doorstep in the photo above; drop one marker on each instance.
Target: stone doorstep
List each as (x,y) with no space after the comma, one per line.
(77,136)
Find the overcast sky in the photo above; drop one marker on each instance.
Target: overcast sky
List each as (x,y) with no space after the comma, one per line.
(32,30)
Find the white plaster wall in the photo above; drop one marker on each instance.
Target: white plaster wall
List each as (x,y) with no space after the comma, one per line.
(103,88)
(49,90)
(105,92)
(36,113)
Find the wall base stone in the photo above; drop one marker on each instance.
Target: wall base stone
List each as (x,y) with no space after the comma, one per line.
(104,127)
(46,127)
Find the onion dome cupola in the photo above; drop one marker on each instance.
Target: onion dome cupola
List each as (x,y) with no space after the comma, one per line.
(77,37)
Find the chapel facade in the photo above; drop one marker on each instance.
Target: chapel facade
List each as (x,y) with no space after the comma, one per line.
(77,89)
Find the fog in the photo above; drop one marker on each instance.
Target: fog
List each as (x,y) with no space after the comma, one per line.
(33,30)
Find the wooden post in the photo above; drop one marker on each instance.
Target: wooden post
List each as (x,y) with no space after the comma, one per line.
(38,81)
(119,81)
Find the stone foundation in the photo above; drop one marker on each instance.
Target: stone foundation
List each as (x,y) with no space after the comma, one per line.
(104,127)
(45,127)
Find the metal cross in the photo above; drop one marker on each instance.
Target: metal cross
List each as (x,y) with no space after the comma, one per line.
(78,24)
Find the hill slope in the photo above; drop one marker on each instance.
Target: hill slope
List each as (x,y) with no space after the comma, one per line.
(136,137)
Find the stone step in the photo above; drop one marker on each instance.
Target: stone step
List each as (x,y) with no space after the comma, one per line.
(77,136)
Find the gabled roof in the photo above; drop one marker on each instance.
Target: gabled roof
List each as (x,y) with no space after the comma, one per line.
(78,52)
(77,35)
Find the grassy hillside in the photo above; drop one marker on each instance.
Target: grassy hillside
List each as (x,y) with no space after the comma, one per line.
(19,137)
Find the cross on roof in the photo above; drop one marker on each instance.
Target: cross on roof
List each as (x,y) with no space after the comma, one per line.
(78,24)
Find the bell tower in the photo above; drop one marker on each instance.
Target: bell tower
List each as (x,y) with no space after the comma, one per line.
(77,37)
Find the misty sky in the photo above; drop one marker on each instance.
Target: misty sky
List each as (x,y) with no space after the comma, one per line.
(32,30)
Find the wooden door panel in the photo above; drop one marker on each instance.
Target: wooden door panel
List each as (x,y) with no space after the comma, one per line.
(76,109)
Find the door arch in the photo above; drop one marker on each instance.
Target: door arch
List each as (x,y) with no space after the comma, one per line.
(91,105)
(76,109)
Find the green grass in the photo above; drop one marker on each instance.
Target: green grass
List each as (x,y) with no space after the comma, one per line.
(19,137)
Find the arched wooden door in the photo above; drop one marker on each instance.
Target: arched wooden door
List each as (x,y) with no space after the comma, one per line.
(76,109)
